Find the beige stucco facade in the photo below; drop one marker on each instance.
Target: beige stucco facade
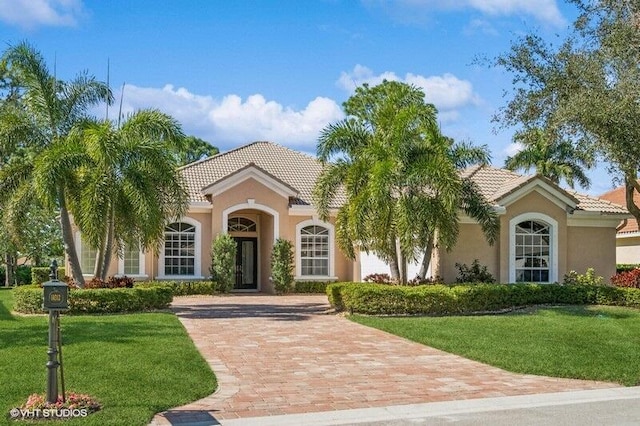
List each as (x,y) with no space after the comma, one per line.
(578,241)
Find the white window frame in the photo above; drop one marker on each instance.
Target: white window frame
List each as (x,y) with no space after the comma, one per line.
(197,267)
(142,272)
(553,245)
(79,244)
(331,229)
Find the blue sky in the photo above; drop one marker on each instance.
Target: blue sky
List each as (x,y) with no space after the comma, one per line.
(237,71)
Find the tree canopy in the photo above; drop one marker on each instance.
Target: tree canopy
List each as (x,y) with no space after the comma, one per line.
(400,176)
(586,90)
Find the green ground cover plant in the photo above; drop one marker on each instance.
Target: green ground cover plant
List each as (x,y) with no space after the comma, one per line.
(135,365)
(581,342)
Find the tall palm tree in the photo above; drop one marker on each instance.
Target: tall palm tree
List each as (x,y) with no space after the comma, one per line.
(551,157)
(398,174)
(129,186)
(44,113)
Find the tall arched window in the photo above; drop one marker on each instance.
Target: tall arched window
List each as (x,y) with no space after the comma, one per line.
(314,251)
(534,248)
(180,249)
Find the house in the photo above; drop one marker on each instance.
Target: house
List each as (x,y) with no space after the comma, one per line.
(628,236)
(262,191)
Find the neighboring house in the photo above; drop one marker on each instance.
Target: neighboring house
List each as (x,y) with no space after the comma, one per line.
(262,191)
(628,236)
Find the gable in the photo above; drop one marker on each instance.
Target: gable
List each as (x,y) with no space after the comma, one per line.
(250,172)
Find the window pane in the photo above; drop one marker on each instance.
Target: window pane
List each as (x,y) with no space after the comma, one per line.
(314,251)
(179,249)
(532,250)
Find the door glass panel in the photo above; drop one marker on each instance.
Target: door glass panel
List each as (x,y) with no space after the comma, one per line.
(247,261)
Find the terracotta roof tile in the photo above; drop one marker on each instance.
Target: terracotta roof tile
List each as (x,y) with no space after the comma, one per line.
(293,168)
(617,196)
(300,171)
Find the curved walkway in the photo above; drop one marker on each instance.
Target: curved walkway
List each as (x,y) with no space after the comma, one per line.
(277,355)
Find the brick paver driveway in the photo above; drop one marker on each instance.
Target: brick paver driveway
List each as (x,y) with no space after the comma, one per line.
(283,354)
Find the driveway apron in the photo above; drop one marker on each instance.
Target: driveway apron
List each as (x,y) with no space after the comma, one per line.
(277,355)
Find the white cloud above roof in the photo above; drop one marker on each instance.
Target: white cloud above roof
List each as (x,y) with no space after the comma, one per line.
(232,120)
(447,92)
(34,13)
(545,11)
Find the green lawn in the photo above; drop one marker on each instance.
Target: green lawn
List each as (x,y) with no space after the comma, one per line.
(583,342)
(135,365)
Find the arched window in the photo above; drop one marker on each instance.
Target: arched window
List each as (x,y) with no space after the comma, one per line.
(180,249)
(314,251)
(241,224)
(534,248)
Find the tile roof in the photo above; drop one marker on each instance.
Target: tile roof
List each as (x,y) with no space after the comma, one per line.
(293,168)
(618,196)
(300,171)
(496,183)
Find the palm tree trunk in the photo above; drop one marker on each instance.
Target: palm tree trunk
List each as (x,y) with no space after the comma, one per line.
(9,270)
(401,262)
(67,238)
(108,249)
(426,259)
(97,266)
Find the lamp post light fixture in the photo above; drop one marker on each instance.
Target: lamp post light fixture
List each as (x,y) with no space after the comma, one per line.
(56,299)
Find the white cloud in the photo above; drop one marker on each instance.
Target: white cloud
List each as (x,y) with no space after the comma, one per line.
(447,92)
(32,13)
(480,26)
(231,120)
(546,11)
(513,148)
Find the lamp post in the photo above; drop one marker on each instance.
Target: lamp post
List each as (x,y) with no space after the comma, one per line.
(56,295)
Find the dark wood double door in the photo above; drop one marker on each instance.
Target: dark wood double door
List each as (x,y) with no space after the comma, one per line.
(246,263)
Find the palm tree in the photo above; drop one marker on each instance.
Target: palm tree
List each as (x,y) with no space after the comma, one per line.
(129,186)
(40,119)
(398,174)
(551,157)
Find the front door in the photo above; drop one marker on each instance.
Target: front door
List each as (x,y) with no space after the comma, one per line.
(246,264)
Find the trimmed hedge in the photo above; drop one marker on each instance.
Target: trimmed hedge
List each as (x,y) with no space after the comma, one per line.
(624,267)
(28,300)
(183,288)
(40,274)
(310,287)
(379,299)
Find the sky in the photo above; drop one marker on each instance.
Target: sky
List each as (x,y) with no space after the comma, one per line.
(233,72)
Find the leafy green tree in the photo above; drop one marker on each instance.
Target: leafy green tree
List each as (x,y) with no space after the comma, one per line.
(44,112)
(586,90)
(556,160)
(194,149)
(128,187)
(400,177)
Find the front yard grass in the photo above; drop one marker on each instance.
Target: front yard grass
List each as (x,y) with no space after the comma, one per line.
(135,364)
(581,342)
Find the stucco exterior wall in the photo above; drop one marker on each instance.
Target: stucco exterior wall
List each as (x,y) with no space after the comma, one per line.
(534,202)
(591,247)
(628,250)
(472,244)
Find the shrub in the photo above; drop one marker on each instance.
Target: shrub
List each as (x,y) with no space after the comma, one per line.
(111,282)
(424,281)
(475,274)
(378,279)
(28,299)
(282,265)
(310,287)
(223,261)
(183,288)
(588,278)
(624,267)
(23,275)
(627,279)
(40,274)
(377,299)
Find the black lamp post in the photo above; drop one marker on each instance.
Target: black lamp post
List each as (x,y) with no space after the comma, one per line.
(56,299)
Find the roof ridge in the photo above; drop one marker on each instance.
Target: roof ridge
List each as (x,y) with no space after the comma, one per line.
(221,154)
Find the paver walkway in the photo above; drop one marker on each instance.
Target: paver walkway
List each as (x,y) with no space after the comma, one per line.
(283,354)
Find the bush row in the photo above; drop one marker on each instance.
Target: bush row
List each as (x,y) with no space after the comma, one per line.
(28,300)
(624,267)
(376,299)
(183,288)
(310,287)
